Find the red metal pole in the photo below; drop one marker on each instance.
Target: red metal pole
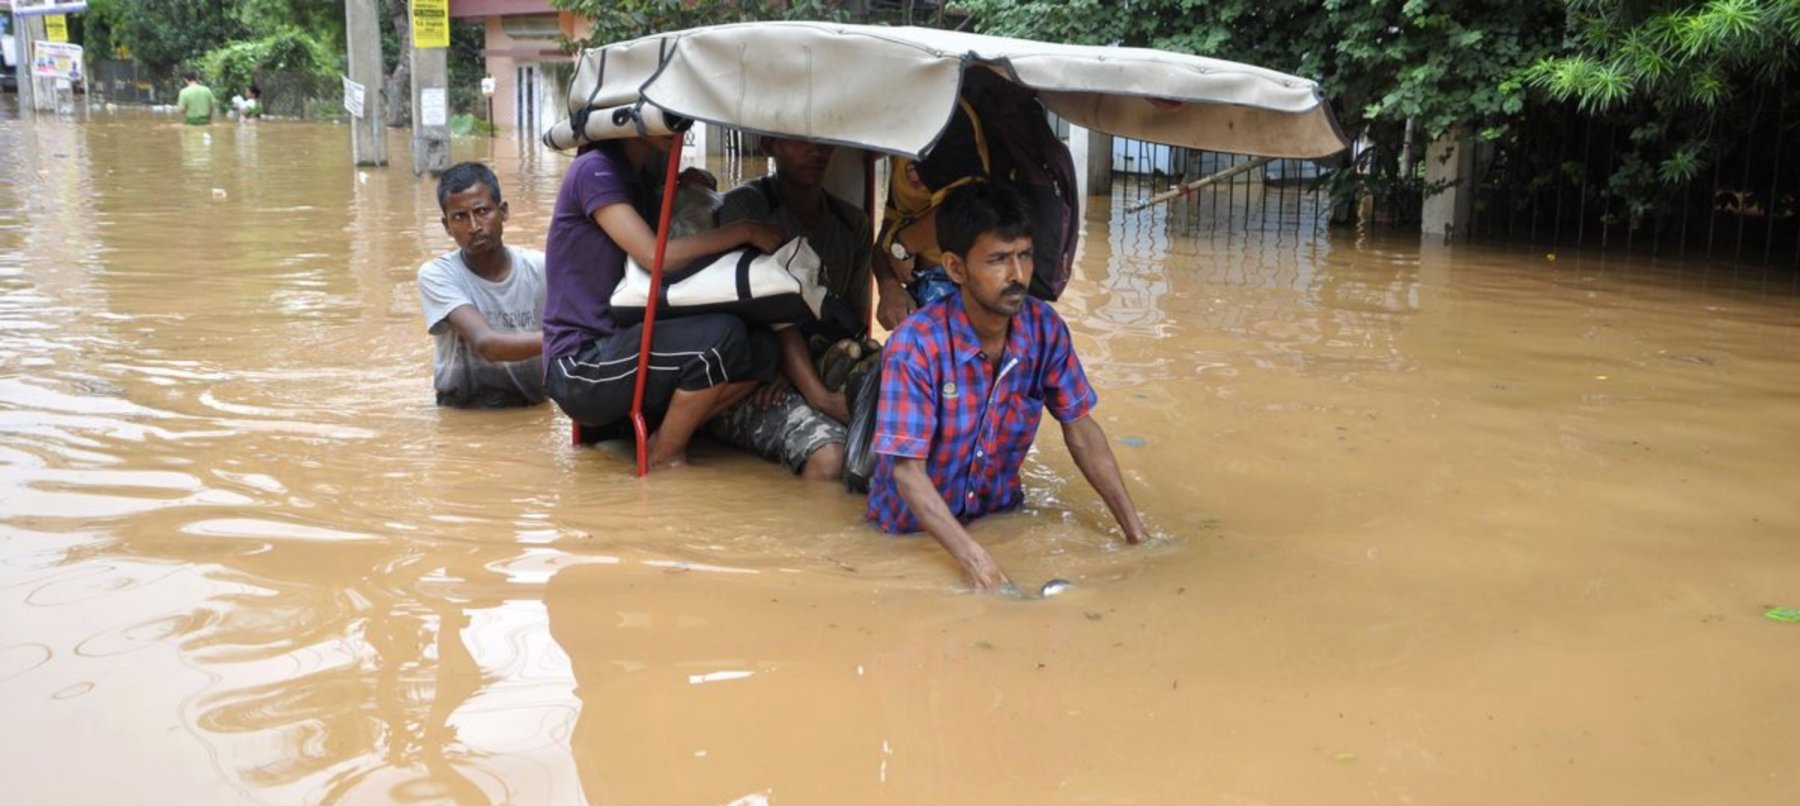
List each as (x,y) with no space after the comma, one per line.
(656,270)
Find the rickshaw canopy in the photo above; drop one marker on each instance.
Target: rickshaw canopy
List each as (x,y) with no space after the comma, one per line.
(894,89)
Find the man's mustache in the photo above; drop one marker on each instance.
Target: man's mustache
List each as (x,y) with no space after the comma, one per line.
(1013,290)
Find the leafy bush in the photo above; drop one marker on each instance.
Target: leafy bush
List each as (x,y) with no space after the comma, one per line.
(231,68)
(618,20)
(467,125)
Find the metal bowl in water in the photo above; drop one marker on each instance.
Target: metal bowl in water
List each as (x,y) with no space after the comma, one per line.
(1055,587)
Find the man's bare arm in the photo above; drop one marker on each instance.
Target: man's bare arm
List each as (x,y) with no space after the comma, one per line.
(928,506)
(627,229)
(797,365)
(494,345)
(892,301)
(1087,444)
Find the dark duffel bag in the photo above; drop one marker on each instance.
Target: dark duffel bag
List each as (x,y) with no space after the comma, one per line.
(859,457)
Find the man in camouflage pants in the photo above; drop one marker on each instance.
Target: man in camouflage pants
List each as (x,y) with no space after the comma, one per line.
(800,419)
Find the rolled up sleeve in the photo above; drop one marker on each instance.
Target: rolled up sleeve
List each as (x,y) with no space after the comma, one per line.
(1067,394)
(907,418)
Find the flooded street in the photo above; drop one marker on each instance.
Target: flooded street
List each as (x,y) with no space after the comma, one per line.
(1435,525)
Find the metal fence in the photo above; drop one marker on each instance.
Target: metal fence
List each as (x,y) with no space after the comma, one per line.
(124,82)
(1560,183)
(1283,197)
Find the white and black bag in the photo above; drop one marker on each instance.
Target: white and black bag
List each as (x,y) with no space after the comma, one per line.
(781,287)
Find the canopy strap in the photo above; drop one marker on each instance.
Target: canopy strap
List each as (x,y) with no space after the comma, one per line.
(578,118)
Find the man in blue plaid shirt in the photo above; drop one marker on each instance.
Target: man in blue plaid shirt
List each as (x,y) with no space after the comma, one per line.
(965,381)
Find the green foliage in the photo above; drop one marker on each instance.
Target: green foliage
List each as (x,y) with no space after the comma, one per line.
(1380,61)
(323,20)
(292,47)
(170,35)
(288,50)
(467,125)
(465,64)
(619,20)
(164,35)
(1675,54)
(1444,66)
(1687,78)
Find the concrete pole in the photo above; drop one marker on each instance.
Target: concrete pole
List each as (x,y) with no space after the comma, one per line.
(22,68)
(362,32)
(43,90)
(1092,153)
(431,110)
(1450,162)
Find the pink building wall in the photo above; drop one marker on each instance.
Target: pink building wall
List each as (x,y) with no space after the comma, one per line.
(506,54)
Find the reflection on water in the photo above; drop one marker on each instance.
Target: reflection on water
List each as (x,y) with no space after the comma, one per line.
(1437,525)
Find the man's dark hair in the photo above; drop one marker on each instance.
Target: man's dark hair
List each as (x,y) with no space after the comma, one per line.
(465,175)
(190,76)
(981,208)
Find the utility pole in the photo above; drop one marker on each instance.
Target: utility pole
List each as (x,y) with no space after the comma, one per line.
(43,90)
(430,86)
(362,32)
(22,63)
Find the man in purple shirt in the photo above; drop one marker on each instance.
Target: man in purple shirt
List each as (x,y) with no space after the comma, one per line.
(965,381)
(700,365)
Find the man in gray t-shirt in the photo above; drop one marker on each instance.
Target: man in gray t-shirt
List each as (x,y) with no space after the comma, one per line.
(484,302)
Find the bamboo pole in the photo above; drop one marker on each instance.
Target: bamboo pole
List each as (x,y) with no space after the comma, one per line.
(1197,184)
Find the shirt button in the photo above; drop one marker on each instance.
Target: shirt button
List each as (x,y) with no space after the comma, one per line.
(978,454)
(971,494)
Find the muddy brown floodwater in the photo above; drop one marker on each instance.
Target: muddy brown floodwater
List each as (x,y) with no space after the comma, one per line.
(1435,525)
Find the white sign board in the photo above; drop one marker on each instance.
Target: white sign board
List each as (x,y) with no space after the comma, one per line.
(38,8)
(693,147)
(353,98)
(433,106)
(487,85)
(56,60)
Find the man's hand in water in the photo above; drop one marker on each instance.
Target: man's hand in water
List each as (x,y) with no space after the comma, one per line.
(934,515)
(984,573)
(1087,444)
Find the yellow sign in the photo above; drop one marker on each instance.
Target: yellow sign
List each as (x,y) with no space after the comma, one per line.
(431,23)
(56,26)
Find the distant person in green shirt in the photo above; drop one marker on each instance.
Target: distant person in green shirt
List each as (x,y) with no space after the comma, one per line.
(195,100)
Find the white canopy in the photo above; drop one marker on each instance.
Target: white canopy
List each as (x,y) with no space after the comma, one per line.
(894,89)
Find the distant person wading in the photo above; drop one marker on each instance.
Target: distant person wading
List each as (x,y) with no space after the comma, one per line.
(195,101)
